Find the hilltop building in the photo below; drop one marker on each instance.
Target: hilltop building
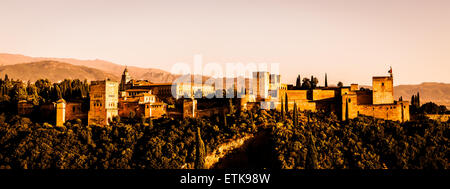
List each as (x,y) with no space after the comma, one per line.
(140,103)
(176,90)
(265,85)
(61,110)
(185,88)
(378,103)
(141,98)
(349,101)
(104,101)
(266,89)
(24,107)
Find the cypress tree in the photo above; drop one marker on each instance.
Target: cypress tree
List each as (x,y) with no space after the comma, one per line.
(200,152)
(418,99)
(250,114)
(309,115)
(286,104)
(346,110)
(150,122)
(326,80)
(58,93)
(230,101)
(295,115)
(298,84)
(311,158)
(282,109)
(225,120)
(142,120)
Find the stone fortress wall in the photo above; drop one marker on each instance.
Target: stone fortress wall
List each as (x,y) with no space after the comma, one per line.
(349,102)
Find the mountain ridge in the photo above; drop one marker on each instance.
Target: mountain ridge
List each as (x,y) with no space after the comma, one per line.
(54,71)
(437,92)
(152,74)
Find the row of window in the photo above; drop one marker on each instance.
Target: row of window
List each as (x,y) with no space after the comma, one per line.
(99,104)
(154,106)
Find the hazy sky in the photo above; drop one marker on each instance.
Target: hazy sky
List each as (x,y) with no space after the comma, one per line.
(350,40)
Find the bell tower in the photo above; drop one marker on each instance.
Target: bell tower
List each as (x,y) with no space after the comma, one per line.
(125,79)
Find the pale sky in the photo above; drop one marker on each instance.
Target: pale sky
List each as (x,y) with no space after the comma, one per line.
(351,40)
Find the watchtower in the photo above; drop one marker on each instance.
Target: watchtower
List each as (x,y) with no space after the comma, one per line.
(383,89)
(103,102)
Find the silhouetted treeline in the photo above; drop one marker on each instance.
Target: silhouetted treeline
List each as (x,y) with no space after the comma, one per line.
(40,92)
(427,108)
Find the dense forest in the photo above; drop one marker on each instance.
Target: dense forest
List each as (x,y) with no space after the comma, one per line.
(323,142)
(164,143)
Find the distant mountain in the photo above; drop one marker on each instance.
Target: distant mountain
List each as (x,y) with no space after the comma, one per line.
(151,74)
(53,71)
(438,93)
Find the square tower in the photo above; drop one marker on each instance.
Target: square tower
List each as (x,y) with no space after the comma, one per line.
(260,84)
(275,85)
(125,79)
(383,90)
(354,87)
(349,106)
(60,112)
(103,102)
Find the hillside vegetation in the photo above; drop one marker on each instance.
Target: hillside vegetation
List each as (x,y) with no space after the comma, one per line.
(362,143)
(323,143)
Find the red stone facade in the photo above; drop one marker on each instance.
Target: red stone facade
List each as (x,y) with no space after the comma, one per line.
(147,110)
(24,107)
(74,110)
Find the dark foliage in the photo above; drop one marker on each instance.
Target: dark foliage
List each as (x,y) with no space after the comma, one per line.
(362,143)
